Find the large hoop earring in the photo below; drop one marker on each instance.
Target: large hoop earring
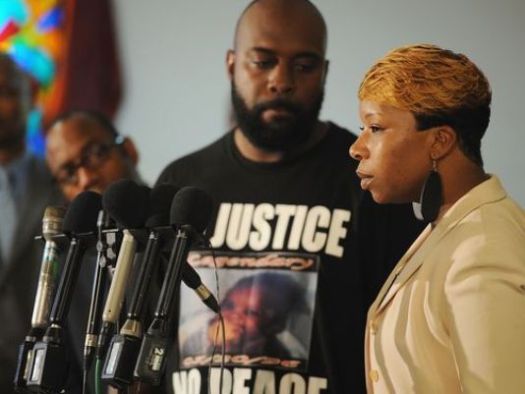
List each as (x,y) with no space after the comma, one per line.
(431,198)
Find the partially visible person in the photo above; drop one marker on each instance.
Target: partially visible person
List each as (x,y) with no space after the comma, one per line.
(451,316)
(84,151)
(288,198)
(26,189)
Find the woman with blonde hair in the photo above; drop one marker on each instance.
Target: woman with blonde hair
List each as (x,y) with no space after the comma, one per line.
(451,316)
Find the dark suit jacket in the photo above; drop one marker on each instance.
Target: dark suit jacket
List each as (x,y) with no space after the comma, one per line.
(19,275)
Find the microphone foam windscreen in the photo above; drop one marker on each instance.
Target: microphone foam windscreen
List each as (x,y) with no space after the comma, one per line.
(127,203)
(81,216)
(160,200)
(191,206)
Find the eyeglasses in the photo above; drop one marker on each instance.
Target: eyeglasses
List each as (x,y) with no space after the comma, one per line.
(92,157)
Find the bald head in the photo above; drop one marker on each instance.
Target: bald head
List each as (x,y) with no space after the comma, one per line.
(285,15)
(278,69)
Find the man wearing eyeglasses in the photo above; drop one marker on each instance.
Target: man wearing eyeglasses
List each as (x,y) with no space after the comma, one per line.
(84,151)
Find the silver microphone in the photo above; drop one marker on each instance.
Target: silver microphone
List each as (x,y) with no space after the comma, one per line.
(51,227)
(120,279)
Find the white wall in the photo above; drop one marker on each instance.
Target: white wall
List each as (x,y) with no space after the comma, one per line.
(177,92)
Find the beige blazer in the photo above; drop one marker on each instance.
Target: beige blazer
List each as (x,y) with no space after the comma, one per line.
(451,316)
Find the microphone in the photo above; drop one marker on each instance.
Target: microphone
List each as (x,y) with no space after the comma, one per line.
(105,258)
(49,361)
(191,278)
(182,214)
(124,347)
(127,203)
(51,227)
(189,214)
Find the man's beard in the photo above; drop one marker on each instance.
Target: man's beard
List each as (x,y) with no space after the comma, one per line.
(282,133)
(11,136)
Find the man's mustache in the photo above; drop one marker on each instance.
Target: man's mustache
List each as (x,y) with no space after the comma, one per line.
(278,104)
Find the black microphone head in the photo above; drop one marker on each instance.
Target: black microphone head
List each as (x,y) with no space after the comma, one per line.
(191,206)
(160,200)
(190,276)
(82,213)
(127,203)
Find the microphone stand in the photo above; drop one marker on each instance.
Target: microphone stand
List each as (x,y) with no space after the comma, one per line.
(51,233)
(155,345)
(124,347)
(106,257)
(50,362)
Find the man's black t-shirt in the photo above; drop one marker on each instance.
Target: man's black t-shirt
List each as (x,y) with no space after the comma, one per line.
(300,251)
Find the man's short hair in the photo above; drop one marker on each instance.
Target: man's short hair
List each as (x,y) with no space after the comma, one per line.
(96,116)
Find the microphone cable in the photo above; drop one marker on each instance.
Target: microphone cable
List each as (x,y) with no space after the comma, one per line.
(221,325)
(98,372)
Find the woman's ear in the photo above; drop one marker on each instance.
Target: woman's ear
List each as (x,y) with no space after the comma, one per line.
(445,139)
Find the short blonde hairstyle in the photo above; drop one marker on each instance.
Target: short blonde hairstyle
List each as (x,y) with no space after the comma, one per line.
(438,86)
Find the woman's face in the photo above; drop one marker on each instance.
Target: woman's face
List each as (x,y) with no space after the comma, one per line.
(394,158)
